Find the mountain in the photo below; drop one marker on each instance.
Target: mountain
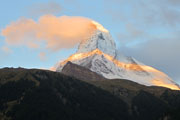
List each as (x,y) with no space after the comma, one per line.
(128,88)
(144,102)
(80,72)
(99,54)
(45,95)
(32,94)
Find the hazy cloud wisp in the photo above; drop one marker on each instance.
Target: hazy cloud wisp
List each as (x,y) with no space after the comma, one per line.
(45,8)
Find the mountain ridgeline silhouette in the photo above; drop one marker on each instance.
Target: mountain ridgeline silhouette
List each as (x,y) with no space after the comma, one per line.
(78,93)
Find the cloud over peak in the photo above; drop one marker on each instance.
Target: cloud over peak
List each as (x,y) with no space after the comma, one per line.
(55,32)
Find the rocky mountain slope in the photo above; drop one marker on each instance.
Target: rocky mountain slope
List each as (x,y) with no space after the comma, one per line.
(99,54)
(144,102)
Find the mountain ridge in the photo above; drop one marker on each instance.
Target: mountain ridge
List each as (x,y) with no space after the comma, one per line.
(99,54)
(59,96)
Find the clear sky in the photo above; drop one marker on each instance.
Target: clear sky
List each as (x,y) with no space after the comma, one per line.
(147,30)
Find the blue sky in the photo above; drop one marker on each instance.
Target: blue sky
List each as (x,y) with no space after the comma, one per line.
(147,30)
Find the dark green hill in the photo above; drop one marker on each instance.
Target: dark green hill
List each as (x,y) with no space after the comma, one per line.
(44,95)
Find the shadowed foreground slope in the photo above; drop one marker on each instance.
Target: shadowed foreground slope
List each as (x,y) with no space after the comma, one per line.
(44,95)
(144,102)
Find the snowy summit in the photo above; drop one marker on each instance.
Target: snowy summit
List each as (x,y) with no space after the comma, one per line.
(99,54)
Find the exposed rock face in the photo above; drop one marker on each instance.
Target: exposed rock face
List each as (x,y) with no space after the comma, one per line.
(80,73)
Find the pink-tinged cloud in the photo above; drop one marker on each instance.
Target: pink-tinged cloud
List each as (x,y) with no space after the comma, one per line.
(21,32)
(42,56)
(55,32)
(6,50)
(52,69)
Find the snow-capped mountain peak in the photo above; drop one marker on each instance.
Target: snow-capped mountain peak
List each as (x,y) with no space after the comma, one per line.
(100,27)
(100,39)
(98,53)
